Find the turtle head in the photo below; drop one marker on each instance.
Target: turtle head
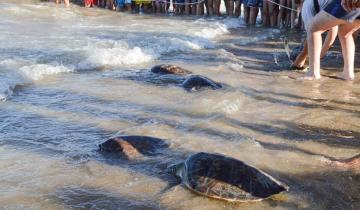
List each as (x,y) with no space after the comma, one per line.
(175,169)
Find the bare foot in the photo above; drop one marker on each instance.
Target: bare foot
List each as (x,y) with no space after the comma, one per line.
(345,76)
(353,162)
(299,68)
(310,76)
(335,163)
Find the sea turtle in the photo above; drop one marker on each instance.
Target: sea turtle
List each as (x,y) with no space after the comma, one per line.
(169,69)
(196,82)
(133,147)
(221,177)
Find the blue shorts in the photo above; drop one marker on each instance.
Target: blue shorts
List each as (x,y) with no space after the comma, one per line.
(253,3)
(335,9)
(180,1)
(120,3)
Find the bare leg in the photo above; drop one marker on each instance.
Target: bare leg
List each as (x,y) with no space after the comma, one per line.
(227,7)
(329,40)
(348,48)
(293,13)
(157,7)
(265,21)
(218,3)
(253,15)
(298,15)
(128,7)
(237,8)
(209,7)
(281,14)
(321,23)
(246,14)
(193,9)
(187,7)
(262,13)
(301,58)
(231,8)
(287,13)
(274,12)
(198,8)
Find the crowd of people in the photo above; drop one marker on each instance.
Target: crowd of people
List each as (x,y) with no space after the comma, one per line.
(339,18)
(281,13)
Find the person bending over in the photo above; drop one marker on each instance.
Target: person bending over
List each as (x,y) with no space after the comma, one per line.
(309,10)
(346,15)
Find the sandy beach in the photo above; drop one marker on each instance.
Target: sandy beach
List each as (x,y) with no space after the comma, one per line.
(72,78)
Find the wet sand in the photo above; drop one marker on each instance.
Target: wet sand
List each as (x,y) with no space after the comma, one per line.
(51,127)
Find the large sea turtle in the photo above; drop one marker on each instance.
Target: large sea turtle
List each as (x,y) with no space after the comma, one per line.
(221,177)
(169,69)
(133,147)
(196,82)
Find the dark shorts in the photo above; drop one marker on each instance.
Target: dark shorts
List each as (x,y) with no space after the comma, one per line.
(241,1)
(180,1)
(335,9)
(253,3)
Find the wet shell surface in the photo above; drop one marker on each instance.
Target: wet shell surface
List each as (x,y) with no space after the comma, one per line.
(226,178)
(169,69)
(132,147)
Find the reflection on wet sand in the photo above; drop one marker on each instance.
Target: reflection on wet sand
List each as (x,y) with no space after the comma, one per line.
(50,127)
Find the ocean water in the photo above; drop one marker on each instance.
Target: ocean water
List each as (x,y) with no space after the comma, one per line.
(70,78)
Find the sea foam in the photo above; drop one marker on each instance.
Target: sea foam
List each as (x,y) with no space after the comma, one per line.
(17,72)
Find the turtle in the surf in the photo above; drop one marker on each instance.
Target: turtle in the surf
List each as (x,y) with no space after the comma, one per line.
(197,82)
(133,147)
(225,178)
(169,69)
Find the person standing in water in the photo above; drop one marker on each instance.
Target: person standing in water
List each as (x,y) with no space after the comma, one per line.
(229,5)
(237,11)
(309,10)
(270,13)
(89,3)
(67,2)
(346,15)
(209,5)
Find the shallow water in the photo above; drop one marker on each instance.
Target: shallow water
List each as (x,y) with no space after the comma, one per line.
(72,78)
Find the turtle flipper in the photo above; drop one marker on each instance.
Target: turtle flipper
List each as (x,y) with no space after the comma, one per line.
(170,184)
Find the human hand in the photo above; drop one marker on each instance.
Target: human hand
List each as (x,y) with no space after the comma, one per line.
(350,5)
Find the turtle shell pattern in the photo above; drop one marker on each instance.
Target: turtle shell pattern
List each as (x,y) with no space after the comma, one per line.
(226,178)
(169,69)
(134,146)
(196,82)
